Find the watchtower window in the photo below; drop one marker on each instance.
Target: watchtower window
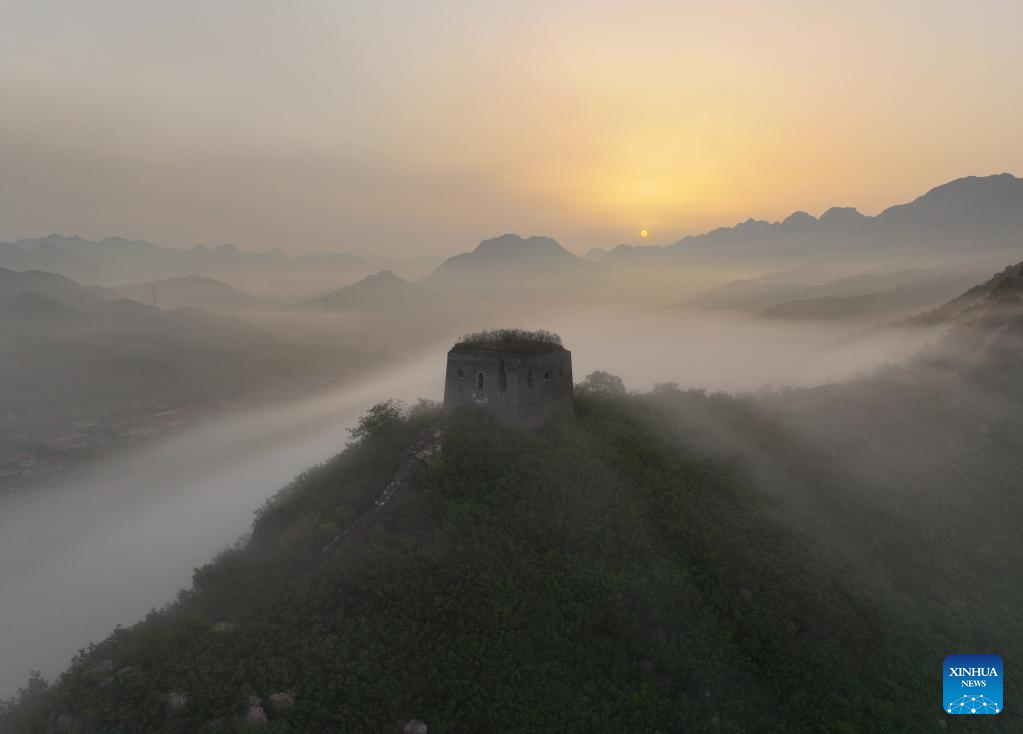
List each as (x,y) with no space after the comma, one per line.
(546,376)
(561,371)
(529,379)
(461,374)
(479,381)
(502,378)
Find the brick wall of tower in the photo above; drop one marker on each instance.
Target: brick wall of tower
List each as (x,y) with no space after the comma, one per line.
(519,389)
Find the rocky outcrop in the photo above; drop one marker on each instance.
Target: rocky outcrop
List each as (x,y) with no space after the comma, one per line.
(175,702)
(255,717)
(102,668)
(281,701)
(127,673)
(425,447)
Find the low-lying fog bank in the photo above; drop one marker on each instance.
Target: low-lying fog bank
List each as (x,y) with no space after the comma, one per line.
(82,556)
(78,558)
(722,351)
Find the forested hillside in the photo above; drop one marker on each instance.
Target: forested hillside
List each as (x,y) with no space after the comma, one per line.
(666,562)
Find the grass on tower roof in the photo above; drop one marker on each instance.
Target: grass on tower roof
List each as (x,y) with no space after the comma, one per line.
(511,340)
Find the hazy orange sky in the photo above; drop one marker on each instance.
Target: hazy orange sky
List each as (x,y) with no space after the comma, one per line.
(419,128)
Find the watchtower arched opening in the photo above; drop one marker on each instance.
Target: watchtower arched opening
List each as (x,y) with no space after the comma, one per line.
(479,382)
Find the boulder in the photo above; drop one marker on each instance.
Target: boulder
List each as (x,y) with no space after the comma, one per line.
(255,717)
(126,673)
(281,701)
(176,702)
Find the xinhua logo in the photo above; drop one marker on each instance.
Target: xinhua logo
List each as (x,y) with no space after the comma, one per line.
(973,684)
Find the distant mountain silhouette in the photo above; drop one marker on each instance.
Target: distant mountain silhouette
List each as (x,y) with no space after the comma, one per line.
(56,287)
(68,350)
(115,260)
(1003,291)
(771,289)
(914,292)
(194,290)
(186,326)
(990,203)
(45,255)
(345,259)
(511,261)
(972,216)
(380,291)
(871,294)
(35,310)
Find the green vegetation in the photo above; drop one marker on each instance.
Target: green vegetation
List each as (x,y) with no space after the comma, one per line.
(667,562)
(512,340)
(602,383)
(381,419)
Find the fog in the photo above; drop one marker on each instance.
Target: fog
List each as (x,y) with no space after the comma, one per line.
(723,351)
(102,548)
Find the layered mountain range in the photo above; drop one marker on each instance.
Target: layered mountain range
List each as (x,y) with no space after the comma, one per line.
(971,216)
(964,221)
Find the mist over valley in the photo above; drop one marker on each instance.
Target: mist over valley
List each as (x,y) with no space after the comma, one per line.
(469,367)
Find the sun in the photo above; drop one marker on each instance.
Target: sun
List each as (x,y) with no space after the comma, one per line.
(643,233)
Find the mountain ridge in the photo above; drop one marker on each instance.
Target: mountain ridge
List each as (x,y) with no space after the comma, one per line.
(991,207)
(1002,290)
(383,289)
(60,288)
(114,261)
(967,216)
(511,261)
(194,290)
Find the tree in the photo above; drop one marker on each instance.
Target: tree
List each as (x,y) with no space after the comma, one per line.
(29,707)
(424,407)
(603,383)
(379,419)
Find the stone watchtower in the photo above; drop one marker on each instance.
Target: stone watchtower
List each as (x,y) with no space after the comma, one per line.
(522,377)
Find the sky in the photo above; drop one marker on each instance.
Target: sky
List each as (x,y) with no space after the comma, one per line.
(416,129)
